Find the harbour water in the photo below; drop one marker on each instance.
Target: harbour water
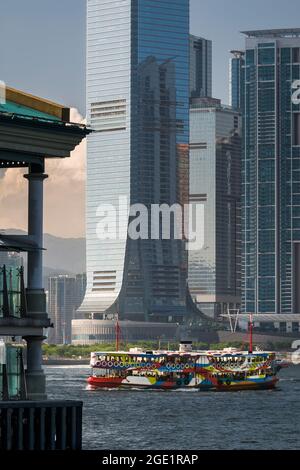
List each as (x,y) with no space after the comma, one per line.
(189,420)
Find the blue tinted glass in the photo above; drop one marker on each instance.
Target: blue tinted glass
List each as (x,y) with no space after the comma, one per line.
(266,56)
(162,60)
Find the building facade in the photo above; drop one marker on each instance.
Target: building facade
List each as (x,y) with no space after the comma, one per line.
(236,79)
(65,295)
(138,107)
(271,173)
(86,332)
(80,289)
(215,158)
(200,67)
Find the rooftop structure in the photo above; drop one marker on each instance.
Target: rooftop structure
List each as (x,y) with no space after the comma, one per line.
(273,33)
(237,53)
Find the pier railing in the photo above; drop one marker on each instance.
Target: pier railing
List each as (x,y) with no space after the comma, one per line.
(49,425)
(12,292)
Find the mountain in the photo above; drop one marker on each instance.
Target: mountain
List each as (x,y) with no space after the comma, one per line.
(65,254)
(62,255)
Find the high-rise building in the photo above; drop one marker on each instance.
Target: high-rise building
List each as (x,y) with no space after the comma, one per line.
(138,107)
(215,164)
(271,173)
(236,79)
(80,288)
(65,294)
(200,67)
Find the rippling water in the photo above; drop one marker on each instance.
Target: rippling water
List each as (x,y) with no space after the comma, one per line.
(183,420)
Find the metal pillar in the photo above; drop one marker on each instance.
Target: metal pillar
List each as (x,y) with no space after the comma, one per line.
(35,377)
(35,232)
(35,294)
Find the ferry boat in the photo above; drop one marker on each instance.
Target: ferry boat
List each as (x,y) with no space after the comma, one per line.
(224,370)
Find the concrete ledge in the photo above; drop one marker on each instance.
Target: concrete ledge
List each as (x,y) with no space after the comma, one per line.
(23,326)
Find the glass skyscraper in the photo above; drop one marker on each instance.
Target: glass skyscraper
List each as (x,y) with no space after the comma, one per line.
(138,106)
(65,295)
(200,67)
(236,79)
(271,173)
(215,163)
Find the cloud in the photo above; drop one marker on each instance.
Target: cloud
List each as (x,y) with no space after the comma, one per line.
(64,196)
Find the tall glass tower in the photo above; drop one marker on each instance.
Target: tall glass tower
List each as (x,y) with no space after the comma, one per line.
(138,106)
(200,67)
(215,164)
(271,173)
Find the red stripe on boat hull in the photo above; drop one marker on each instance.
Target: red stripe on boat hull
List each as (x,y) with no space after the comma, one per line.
(105,382)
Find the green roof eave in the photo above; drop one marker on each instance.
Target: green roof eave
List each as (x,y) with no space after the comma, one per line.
(20,110)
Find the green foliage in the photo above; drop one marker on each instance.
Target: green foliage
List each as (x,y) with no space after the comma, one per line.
(279,345)
(233,344)
(71,351)
(75,352)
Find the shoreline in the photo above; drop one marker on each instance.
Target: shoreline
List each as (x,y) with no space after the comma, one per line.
(66,362)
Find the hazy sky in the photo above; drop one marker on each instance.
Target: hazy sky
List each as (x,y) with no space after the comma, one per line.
(42,50)
(42,42)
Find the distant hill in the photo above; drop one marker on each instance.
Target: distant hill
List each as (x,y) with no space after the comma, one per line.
(62,255)
(65,253)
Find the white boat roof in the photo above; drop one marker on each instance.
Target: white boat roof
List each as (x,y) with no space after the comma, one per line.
(182,354)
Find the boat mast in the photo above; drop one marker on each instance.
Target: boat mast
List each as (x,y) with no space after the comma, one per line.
(117,326)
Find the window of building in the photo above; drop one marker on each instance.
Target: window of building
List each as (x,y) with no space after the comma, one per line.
(266,56)
(296,128)
(199,146)
(296,55)
(108,115)
(104,281)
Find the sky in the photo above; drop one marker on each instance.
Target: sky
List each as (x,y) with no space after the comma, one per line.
(42,42)
(42,51)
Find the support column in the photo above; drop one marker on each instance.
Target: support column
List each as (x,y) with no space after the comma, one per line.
(36,300)
(35,377)
(35,293)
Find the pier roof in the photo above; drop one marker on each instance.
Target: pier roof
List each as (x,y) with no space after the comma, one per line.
(32,129)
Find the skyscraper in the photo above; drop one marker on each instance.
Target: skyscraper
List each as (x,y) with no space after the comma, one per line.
(271,173)
(138,106)
(80,288)
(65,294)
(236,79)
(215,159)
(200,67)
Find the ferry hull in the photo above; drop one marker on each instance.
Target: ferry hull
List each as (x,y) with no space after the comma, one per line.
(263,384)
(105,382)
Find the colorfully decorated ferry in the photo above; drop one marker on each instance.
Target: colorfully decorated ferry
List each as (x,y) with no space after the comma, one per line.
(224,370)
